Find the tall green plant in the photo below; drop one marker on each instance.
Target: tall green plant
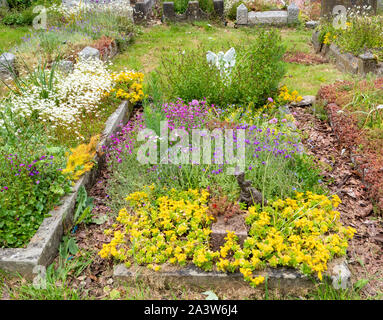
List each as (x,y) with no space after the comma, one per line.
(255,76)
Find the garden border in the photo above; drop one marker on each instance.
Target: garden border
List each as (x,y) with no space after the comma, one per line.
(284,279)
(43,247)
(347,62)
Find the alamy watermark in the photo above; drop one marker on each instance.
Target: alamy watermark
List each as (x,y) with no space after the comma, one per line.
(179,147)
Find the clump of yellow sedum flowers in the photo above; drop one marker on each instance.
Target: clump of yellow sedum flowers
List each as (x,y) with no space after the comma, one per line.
(81,159)
(173,227)
(285,96)
(128,85)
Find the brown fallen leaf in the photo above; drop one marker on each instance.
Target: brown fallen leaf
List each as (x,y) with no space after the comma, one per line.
(364,212)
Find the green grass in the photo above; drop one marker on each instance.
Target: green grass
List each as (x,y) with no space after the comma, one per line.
(10,36)
(144,54)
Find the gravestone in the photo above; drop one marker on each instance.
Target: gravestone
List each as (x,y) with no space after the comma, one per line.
(168,10)
(194,12)
(327,6)
(242,14)
(218,7)
(292,14)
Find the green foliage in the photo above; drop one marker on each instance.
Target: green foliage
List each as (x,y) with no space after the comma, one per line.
(180,6)
(255,76)
(19,18)
(31,182)
(53,285)
(84,207)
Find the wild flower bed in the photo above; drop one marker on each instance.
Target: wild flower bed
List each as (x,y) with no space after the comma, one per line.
(44,115)
(165,207)
(360,32)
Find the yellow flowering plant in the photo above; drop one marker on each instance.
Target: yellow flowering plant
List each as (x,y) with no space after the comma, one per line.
(285,96)
(127,85)
(81,159)
(172,227)
(169,226)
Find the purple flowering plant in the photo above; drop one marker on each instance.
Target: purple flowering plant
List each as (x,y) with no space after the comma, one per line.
(29,188)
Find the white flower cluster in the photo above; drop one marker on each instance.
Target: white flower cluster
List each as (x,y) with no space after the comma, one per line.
(359,10)
(79,92)
(76,8)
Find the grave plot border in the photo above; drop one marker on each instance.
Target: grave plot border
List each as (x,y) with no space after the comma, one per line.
(43,247)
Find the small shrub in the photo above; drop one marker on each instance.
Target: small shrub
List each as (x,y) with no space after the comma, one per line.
(255,76)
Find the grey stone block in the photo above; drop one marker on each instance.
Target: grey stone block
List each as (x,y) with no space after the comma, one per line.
(292,14)
(89,53)
(367,63)
(242,15)
(194,12)
(168,10)
(315,41)
(311,24)
(306,101)
(142,10)
(277,18)
(7,65)
(65,66)
(341,278)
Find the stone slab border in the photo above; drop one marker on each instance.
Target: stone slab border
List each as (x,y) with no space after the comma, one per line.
(347,62)
(43,247)
(277,18)
(192,13)
(284,279)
